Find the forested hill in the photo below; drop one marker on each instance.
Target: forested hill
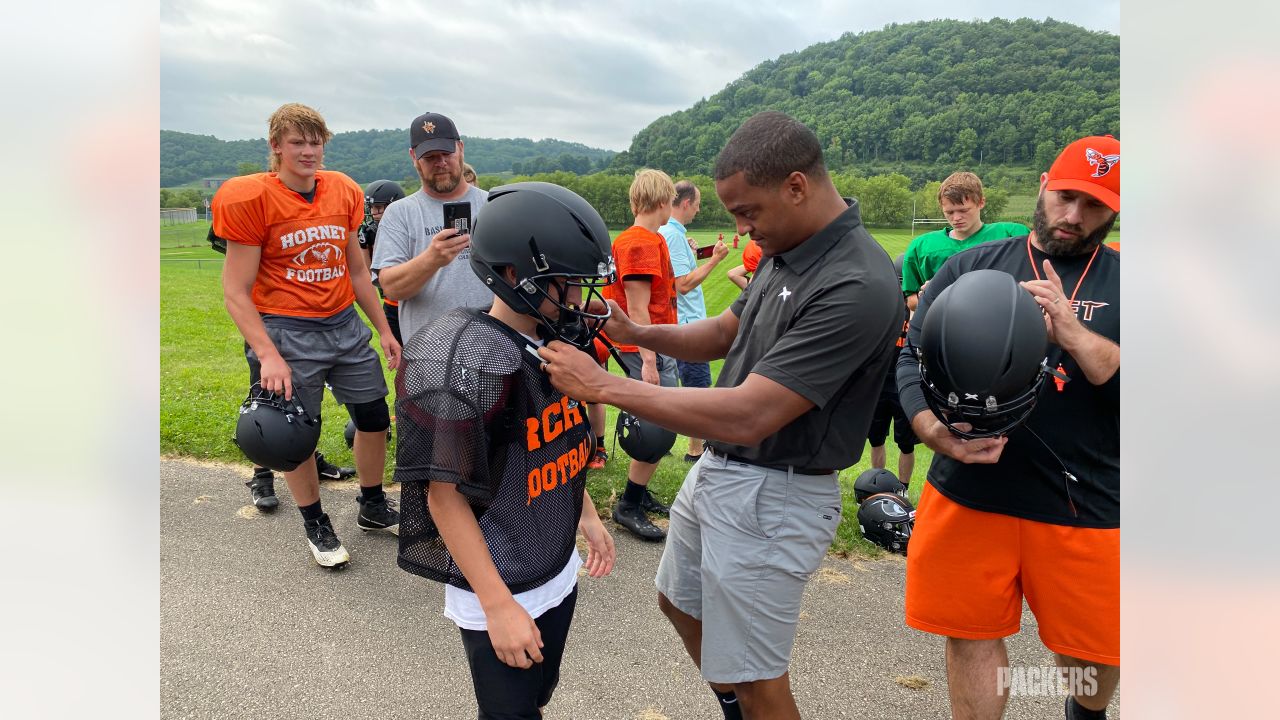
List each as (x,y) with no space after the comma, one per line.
(367,155)
(943,92)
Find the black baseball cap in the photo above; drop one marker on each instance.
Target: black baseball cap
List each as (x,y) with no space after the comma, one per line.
(432,131)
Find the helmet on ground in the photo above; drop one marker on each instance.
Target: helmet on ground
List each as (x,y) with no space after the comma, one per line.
(349,434)
(876,481)
(982,354)
(275,433)
(887,520)
(554,241)
(643,440)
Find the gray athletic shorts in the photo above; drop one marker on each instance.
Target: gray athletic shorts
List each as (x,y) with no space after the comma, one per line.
(742,543)
(667,377)
(339,357)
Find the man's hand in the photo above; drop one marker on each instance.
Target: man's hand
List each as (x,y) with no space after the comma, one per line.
(390,350)
(514,635)
(445,246)
(573,372)
(276,376)
(600,551)
(618,327)
(649,371)
(720,250)
(1059,317)
(933,433)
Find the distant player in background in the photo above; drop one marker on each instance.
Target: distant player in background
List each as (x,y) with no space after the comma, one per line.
(742,274)
(377,196)
(888,409)
(962,201)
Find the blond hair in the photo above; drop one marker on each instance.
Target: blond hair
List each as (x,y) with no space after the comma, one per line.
(650,190)
(468,173)
(298,117)
(961,186)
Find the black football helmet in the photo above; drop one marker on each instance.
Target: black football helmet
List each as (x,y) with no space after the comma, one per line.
(897,265)
(382,192)
(643,440)
(275,433)
(982,354)
(887,520)
(876,481)
(553,239)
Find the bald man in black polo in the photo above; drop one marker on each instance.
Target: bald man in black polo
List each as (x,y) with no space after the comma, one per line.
(806,346)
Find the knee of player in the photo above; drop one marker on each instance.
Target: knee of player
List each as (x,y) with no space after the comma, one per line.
(372,416)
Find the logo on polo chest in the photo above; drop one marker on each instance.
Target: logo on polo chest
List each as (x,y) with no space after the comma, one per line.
(785,293)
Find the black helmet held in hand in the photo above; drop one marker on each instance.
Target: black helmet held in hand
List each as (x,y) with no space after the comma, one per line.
(643,440)
(876,481)
(275,433)
(553,239)
(982,354)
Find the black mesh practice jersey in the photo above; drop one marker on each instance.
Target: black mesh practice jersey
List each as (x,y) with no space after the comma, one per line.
(1075,424)
(474,409)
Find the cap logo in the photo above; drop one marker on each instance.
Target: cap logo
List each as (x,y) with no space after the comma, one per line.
(1102,164)
(430,127)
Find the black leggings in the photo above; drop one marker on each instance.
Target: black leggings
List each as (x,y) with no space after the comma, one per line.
(507,693)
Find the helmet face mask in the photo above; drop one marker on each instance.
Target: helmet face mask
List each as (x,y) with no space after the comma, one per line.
(275,433)
(982,354)
(551,240)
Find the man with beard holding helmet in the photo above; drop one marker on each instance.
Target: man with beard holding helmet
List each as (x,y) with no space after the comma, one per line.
(1035,512)
(419,262)
(493,459)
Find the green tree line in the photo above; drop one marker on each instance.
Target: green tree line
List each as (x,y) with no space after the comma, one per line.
(921,99)
(368,155)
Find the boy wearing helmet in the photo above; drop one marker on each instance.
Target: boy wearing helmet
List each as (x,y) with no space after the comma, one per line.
(1034,512)
(492,459)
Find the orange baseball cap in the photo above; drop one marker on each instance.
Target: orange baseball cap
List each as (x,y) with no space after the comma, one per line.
(1090,165)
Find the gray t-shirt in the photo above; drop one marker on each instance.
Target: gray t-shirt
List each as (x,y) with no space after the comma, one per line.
(404,232)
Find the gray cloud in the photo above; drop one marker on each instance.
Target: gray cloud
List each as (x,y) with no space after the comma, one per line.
(589,72)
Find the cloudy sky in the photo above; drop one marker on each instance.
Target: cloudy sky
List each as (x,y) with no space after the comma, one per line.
(586,71)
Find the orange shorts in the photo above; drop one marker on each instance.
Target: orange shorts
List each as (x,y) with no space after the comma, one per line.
(968,570)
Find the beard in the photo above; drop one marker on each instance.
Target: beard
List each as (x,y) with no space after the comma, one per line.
(1071,247)
(442,185)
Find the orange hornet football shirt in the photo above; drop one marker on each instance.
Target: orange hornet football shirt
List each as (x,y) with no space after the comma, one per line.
(303,270)
(638,251)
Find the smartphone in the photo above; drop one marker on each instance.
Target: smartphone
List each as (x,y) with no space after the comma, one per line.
(705,252)
(457,215)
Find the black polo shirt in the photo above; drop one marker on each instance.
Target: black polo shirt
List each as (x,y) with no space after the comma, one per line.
(821,319)
(1076,424)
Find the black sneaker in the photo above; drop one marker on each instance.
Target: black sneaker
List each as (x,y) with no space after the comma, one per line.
(651,504)
(378,515)
(633,518)
(329,471)
(263,489)
(325,546)
(692,458)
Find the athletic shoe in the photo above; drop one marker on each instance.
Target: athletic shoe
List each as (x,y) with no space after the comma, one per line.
(598,460)
(329,471)
(378,515)
(325,546)
(263,489)
(633,518)
(692,458)
(651,504)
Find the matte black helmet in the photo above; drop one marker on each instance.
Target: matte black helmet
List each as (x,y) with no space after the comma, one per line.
(553,239)
(982,354)
(349,434)
(643,440)
(275,433)
(887,520)
(897,265)
(383,191)
(876,481)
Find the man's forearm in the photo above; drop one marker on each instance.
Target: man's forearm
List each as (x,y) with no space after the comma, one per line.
(699,341)
(403,281)
(1097,356)
(726,414)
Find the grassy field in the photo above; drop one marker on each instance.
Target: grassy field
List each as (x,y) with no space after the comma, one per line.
(204,377)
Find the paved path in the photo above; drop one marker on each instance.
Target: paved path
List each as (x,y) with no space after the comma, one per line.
(252,628)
